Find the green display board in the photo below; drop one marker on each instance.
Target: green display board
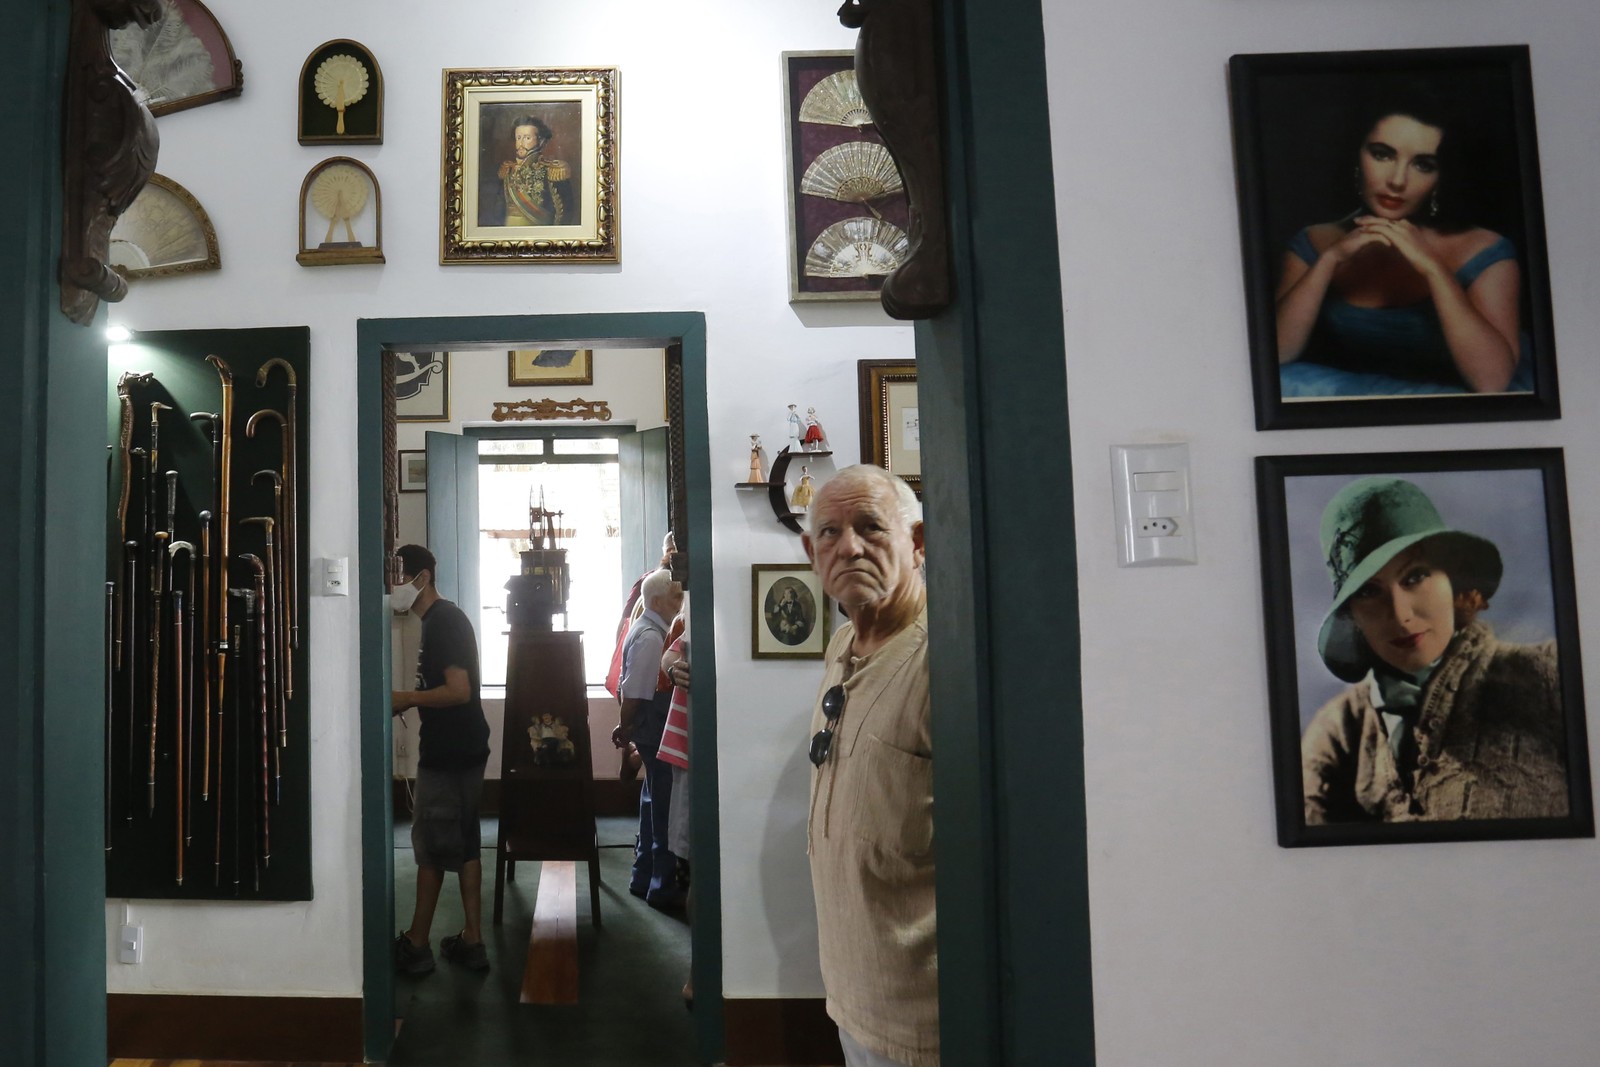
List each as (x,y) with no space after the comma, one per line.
(236,768)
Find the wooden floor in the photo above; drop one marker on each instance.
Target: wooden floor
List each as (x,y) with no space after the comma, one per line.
(220,1063)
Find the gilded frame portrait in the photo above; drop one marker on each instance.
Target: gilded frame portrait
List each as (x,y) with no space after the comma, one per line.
(891,427)
(553,199)
(790,616)
(1366,344)
(1493,744)
(550,366)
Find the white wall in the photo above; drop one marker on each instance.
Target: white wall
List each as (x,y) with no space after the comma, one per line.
(702,228)
(1212,945)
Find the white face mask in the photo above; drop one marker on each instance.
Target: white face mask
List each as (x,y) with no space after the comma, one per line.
(403,596)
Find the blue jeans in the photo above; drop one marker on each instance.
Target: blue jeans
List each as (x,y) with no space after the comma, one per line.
(655,868)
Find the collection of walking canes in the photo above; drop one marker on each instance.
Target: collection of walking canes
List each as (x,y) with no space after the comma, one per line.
(202,640)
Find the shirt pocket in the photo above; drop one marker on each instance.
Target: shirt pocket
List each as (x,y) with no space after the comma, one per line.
(897,813)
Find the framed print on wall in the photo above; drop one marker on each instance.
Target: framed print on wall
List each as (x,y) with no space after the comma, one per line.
(341,95)
(550,366)
(422,386)
(183,59)
(891,426)
(848,213)
(413,470)
(1422,647)
(1393,237)
(165,231)
(530,166)
(790,616)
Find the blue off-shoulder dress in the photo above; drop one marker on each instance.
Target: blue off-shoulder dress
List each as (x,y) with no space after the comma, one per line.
(1389,351)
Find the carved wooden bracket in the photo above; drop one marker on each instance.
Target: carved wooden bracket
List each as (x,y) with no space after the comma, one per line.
(898,71)
(108,152)
(528,410)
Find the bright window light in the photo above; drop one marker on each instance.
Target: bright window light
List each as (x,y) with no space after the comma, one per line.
(118,335)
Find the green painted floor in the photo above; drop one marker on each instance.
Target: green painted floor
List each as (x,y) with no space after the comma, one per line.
(630,1012)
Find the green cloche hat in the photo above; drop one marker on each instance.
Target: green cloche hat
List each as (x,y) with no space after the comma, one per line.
(1367,524)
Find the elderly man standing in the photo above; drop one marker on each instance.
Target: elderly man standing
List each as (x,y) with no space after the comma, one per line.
(642,718)
(871,827)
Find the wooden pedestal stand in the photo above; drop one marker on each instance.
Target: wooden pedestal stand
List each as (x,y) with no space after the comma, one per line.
(547,796)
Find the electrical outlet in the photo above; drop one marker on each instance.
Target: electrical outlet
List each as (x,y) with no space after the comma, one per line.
(130,944)
(1157,528)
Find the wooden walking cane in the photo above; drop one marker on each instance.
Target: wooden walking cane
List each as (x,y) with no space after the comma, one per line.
(238,740)
(285,451)
(183,662)
(270,626)
(201,637)
(224,516)
(263,694)
(280,595)
(156,581)
(125,386)
(177,764)
(131,550)
(289,534)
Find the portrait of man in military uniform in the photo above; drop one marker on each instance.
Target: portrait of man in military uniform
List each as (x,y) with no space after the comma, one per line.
(522,181)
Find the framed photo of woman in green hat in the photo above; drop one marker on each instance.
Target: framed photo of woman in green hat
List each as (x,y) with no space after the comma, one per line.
(1422,647)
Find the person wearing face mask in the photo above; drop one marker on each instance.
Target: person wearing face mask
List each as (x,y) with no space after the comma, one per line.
(453,749)
(1442,720)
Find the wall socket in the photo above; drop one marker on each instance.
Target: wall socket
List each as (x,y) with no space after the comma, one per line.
(130,944)
(1157,528)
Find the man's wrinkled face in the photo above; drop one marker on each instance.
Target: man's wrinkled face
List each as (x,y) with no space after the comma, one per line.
(861,546)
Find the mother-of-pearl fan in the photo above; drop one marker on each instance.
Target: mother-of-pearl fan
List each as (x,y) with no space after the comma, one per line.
(836,101)
(855,173)
(161,228)
(857,248)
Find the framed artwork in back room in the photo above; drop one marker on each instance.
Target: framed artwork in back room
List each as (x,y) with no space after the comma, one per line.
(1424,675)
(1393,237)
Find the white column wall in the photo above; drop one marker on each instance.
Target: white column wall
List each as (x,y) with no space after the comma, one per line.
(702,224)
(1212,945)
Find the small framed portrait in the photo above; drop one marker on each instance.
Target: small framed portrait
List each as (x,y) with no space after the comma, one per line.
(530,166)
(413,470)
(422,386)
(790,615)
(165,231)
(1422,648)
(182,60)
(1393,237)
(550,366)
(341,95)
(848,213)
(891,428)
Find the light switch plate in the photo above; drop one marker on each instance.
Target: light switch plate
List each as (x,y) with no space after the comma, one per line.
(1151,502)
(335,577)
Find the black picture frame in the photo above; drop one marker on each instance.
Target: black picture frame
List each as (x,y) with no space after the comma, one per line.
(1296,149)
(1514,498)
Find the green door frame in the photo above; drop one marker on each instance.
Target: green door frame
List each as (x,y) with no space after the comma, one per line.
(52,892)
(1003,619)
(641,330)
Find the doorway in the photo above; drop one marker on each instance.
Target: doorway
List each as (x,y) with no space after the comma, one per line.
(683,332)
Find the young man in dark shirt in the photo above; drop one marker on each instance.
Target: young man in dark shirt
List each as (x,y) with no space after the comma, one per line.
(451,756)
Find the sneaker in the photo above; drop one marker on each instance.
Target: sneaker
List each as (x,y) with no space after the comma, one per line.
(409,959)
(473,957)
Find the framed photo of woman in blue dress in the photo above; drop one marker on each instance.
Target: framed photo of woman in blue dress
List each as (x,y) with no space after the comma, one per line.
(1393,237)
(1425,679)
